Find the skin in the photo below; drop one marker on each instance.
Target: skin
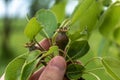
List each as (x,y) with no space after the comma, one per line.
(55,70)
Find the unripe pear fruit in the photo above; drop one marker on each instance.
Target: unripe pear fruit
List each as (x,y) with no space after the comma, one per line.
(62,40)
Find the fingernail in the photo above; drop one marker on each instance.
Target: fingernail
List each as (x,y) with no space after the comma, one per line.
(58,62)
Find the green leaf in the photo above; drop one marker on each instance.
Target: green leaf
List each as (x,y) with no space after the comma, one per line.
(59,10)
(78,35)
(13,70)
(32,56)
(112,67)
(32,28)
(110,21)
(107,2)
(74,71)
(30,64)
(86,15)
(80,9)
(78,49)
(28,69)
(48,20)
(52,50)
(90,18)
(16,66)
(117,35)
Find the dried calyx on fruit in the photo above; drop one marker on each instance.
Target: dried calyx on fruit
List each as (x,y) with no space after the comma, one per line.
(43,45)
(61,38)
(30,46)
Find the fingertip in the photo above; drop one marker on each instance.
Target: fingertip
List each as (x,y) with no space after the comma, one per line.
(58,62)
(57,67)
(2,78)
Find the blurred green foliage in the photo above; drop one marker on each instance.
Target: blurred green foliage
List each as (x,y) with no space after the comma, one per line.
(16,41)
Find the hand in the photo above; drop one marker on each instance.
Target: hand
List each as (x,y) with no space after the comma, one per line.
(55,70)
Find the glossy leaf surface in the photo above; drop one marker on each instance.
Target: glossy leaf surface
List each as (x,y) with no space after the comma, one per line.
(74,71)
(18,65)
(117,35)
(110,22)
(112,66)
(48,21)
(86,15)
(52,50)
(59,10)
(28,69)
(13,70)
(78,49)
(32,28)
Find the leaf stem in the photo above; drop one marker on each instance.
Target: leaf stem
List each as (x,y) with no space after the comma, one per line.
(39,45)
(99,58)
(94,75)
(65,23)
(62,52)
(66,55)
(41,59)
(69,59)
(54,37)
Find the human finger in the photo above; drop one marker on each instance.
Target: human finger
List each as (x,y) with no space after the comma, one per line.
(55,69)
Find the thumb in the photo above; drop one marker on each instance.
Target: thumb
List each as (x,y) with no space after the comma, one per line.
(55,70)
